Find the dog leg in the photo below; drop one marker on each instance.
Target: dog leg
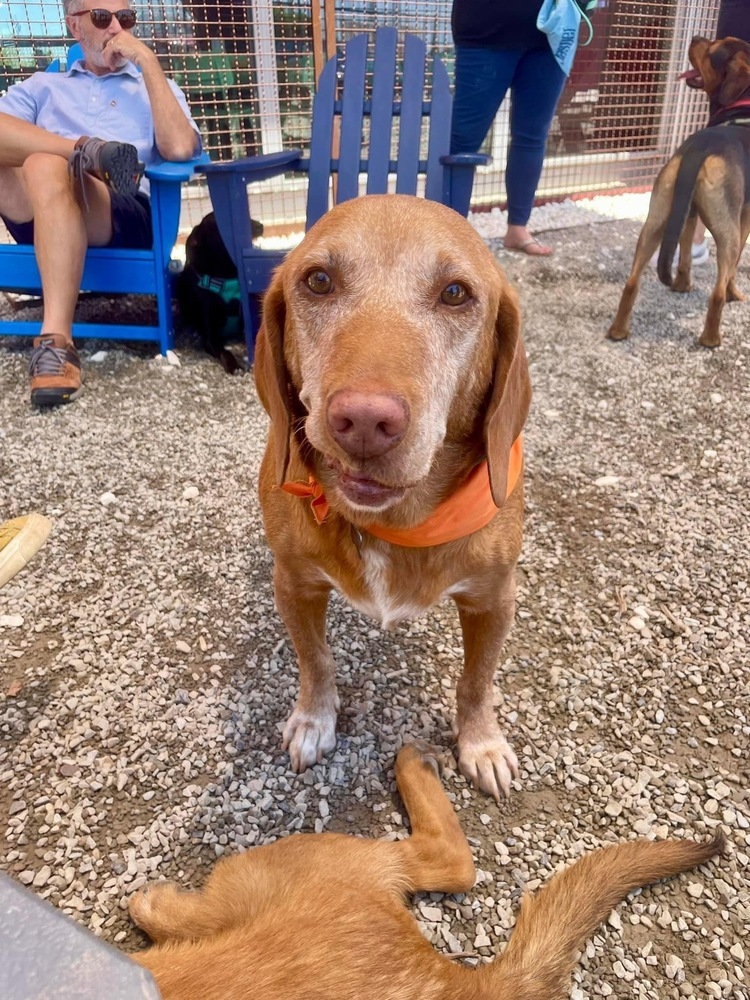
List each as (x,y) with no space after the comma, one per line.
(436,857)
(167,913)
(648,242)
(484,755)
(711,336)
(239,888)
(733,292)
(681,281)
(727,252)
(310,731)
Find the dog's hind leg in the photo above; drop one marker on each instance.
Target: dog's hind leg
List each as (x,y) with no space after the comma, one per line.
(239,889)
(648,241)
(681,282)
(728,247)
(167,913)
(733,292)
(721,204)
(436,857)
(726,257)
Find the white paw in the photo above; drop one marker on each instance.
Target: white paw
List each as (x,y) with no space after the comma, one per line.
(489,763)
(310,735)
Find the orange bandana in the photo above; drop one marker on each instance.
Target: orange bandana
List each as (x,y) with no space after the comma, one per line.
(467,510)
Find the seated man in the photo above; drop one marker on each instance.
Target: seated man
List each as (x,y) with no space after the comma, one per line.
(63,191)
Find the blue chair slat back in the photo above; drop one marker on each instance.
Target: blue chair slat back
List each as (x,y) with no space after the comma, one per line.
(412,108)
(367,98)
(390,118)
(437,178)
(381,114)
(352,121)
(321,142)
(74,52)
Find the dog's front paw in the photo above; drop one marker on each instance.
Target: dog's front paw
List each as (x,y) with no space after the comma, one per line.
(310,735)
(488,763)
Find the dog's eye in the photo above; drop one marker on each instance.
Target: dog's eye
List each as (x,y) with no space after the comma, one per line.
(319,282)
(454,294)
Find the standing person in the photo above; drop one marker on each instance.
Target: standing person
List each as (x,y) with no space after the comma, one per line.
(499,48)
(72,152)
(734,21)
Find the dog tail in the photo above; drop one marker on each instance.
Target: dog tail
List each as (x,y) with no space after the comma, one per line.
(682,199)
(553,925)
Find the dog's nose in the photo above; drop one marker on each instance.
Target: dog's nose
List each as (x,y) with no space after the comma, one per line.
(367,424)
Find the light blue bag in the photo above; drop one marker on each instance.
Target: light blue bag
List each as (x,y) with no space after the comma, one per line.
(560,21)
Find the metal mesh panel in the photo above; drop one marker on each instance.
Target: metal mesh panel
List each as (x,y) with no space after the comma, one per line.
(249,68)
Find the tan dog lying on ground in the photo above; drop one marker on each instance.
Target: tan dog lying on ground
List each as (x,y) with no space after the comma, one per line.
(707,176)
(323,915)
(391,365)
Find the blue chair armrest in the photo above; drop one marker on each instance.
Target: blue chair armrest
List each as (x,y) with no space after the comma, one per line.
(466,160)
(176,172)
(255,168)
(459,178)
(227,185)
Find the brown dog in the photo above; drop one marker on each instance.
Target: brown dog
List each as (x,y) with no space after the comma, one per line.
(391,364)
(706,177)
(323,915)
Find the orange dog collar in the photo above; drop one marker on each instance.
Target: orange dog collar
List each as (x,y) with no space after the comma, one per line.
(467,510)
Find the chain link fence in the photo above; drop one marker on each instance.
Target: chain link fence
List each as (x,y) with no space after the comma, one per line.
(248,68)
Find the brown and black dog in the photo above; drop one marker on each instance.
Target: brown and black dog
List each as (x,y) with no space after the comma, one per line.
(323,915)
(709,175)
(391,364)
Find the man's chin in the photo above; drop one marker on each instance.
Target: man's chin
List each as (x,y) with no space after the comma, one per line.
(101,63)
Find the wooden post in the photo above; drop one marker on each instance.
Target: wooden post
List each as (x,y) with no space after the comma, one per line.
(330,23)
(319,57)
(325,28)
(323,18)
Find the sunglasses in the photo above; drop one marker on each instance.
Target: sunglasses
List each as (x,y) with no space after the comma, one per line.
(102,19)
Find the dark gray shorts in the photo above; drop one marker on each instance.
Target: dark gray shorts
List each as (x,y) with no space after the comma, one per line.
(131,223)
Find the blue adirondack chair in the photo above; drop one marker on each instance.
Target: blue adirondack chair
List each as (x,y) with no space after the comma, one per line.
(140,272)
(403,96)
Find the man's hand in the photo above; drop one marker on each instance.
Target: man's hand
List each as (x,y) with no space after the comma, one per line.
(174,135)
(124,46)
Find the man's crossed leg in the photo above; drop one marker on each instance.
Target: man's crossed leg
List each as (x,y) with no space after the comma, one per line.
(65,196)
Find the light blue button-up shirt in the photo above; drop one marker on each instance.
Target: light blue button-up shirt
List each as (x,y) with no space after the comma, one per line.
(77,102)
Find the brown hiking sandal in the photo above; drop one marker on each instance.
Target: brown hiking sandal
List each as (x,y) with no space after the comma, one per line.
(55,371)
(20,540)
(115,163)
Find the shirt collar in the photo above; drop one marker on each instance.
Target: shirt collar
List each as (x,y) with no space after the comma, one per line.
(129,69)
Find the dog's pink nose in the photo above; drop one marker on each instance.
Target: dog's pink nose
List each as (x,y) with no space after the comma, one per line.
(367,424)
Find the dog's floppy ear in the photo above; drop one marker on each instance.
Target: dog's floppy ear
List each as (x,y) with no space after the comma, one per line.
(271,374)
(736,80)
(510,394)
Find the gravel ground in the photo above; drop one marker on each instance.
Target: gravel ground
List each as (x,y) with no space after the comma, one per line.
(145,674)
